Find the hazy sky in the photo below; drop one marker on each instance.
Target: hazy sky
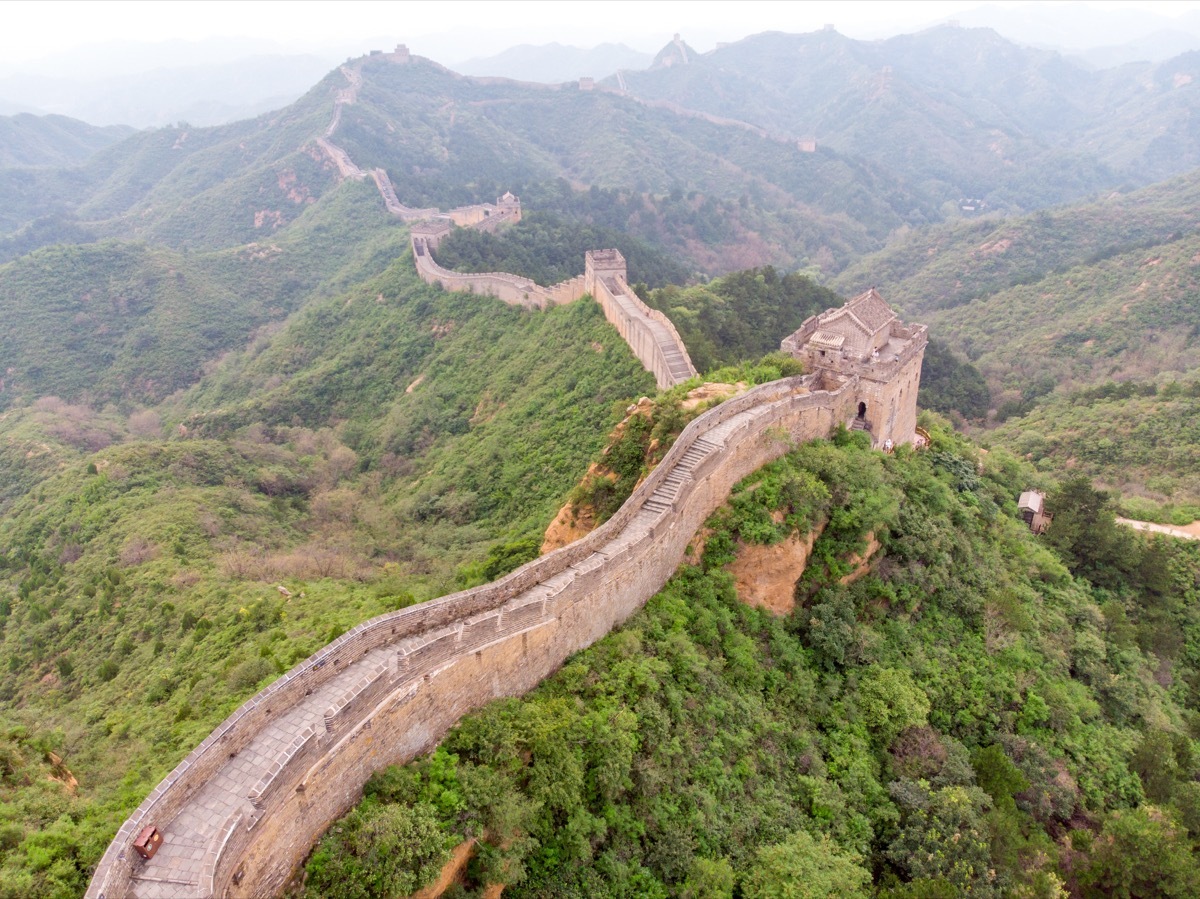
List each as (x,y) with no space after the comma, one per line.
(31,30)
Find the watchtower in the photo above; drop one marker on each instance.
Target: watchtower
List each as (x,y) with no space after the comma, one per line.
(601,264)
(865,340)
(510,206)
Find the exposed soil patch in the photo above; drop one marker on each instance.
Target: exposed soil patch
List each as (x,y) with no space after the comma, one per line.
(572,522)
(862,562)
(1186,531)
(766,575)
(710,391)
(451,871)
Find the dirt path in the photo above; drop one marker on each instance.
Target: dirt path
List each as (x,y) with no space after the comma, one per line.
(1183,532)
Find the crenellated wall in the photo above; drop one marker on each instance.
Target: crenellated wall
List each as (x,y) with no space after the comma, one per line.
(243,809)
(649,333)
(512,289)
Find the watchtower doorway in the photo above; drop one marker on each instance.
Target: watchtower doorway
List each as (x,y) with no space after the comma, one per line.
(862,410)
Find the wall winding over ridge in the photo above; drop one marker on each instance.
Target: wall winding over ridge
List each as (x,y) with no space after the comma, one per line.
(512,289)
(242,810)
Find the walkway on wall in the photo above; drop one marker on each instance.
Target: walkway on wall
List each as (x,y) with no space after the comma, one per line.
(216,799)
(670,345)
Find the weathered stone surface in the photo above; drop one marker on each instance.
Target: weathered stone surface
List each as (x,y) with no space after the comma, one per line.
(448,656)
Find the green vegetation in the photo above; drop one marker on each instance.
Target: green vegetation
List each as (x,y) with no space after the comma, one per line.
(122,322)
(54,140)
(233,424)
(139,563)
(549,248)
(951,265)
(932,728)
(1139,437)
(740,316)
(950,385)
(685,182)
(1081,320)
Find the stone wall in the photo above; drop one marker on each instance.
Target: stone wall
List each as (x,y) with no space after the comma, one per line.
(512,289)
(399,681)
(649,333)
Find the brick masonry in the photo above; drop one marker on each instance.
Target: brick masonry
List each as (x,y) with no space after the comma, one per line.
(240,813)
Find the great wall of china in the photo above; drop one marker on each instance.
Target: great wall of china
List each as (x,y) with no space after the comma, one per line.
(649,333)
(240,813)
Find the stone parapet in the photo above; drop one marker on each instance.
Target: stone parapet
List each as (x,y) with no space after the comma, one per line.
(450,655)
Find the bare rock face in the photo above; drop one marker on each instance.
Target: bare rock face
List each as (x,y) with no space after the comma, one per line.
(571,523)
(766,575)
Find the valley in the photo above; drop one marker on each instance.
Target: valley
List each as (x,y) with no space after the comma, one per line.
(280,442)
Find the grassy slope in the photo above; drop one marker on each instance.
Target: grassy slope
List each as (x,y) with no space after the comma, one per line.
(953,265)
(1133,315)
(131,322)
(53,140)
(1139,438)
(137,582)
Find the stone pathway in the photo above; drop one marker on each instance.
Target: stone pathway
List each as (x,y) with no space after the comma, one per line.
(192,840)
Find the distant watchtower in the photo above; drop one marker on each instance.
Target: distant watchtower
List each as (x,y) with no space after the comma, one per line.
(510,206)
(866,340)
(601,264)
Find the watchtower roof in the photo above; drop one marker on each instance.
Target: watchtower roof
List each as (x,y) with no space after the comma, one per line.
(828,340)
(871,310)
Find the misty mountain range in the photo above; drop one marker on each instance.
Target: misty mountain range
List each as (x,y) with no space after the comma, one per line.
(215,81)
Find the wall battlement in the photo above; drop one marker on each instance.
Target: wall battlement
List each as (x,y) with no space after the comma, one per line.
(263,786)
(649,333)
(239,814)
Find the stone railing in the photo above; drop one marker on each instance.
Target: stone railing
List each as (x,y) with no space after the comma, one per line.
(512,289)
(400,680)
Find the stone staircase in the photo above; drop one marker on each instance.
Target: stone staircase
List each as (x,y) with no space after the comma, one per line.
(236,794)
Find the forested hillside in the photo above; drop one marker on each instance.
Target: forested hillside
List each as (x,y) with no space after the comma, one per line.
(971,716)
(1055,306)
(961,116)
(234,424)
(133,322)
(30,141)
